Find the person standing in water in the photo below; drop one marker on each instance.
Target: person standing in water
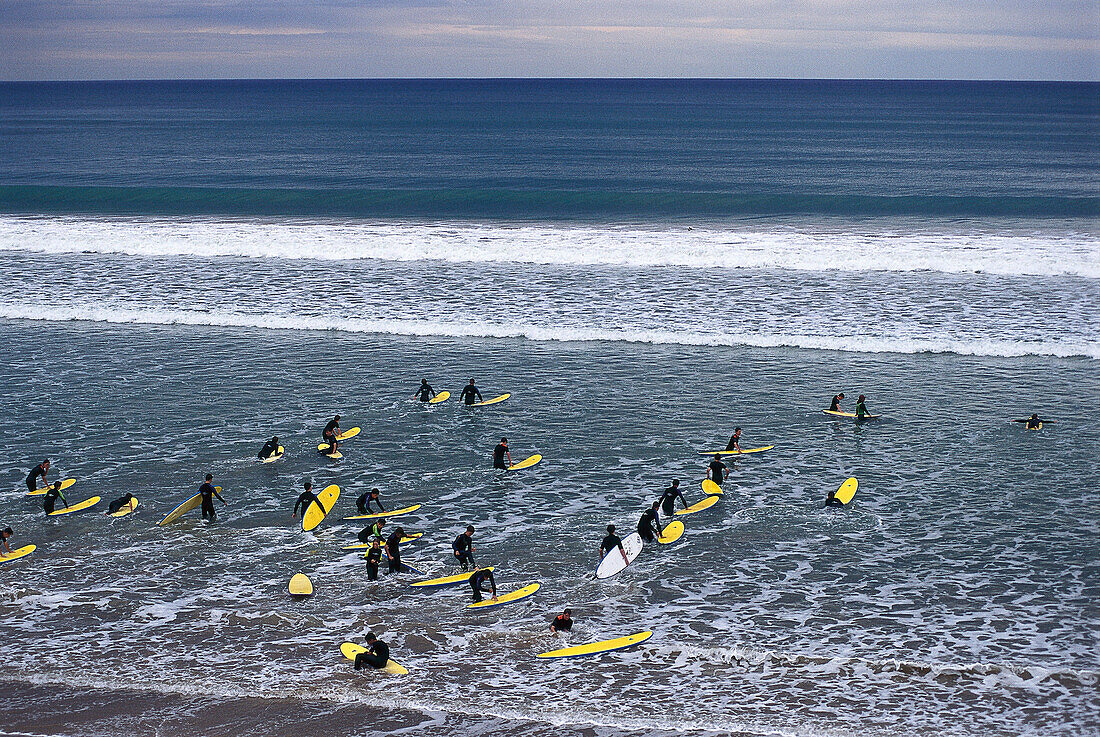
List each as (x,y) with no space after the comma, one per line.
(648,526)
(499,454)
(373,532)
(306,498)
(469,392)
(735,440)
(39,470)
(834,406)
(52,494)
(668,498)
(366,499)
(374,559)
(208,493)
(126,500)
(611,542)
(376,655)
(425,392)
(393,549)
(477,581)
(463,548)
(4,535)
(861,408)
(330,433)
(717,471)
(271,447)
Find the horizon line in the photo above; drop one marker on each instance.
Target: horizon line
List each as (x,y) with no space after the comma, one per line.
(547,79)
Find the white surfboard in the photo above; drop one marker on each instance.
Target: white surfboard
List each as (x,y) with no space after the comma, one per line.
(613,563)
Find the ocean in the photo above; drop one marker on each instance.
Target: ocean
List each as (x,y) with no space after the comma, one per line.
(192,267)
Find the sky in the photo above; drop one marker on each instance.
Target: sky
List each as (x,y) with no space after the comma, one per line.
(935,39)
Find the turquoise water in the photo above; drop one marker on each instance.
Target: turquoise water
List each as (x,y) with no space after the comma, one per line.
(644,266)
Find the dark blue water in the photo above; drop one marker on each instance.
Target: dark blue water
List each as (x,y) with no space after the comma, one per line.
(519,149)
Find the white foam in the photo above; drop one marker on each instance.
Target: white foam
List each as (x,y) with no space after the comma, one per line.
(1068,252)
(472,329)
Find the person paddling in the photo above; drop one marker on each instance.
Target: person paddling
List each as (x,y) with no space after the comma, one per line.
(271,447)
(126,500)
(563,622)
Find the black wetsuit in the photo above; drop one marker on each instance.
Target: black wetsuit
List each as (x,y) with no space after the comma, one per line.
(477,581)
(832,501)
(611,542)
(371,533)
(498,456)
(376,657)
(561,624)
(834,406)
(32,477)
(304,500)
(328,435)
(367,503)
(270,448)
(463,549)
(361,503)
(732,444)
(393,547)
(668,499)
(717,472)
(424,391)
(374,558)
(118,504)
(469,392)
(208,493)
(51,499)
(648,525)
(1033,423)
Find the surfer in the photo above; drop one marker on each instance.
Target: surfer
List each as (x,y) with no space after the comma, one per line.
(376,655)
(306,498)
(735,440)
(611,542)
(717,471)
(39,470)
(4,535)
(374,558)
(463,548)
(834,406)
(208,493)
(330,433)
(477,581)
(52,495)
(832,501)
(648,525)
(126,500)
(563,622)
(469,392)
(374,532)
(393,549)
(668,498)
(424,390)
(861,408)
(1034,423)
(499,454)
(271,447)
(366,499)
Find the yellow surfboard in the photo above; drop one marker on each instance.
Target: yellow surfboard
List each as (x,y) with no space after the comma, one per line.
(300,585)
(351,432)
(707,503)
(454,580)
(41,492)
(849,415)
(392,667)
(122,512)
(394,513)
(364,546)
(80,507)
(673,531)
(526,462)
(193,503)
(323,450)
(595,648)
(743,451)
(319,509)
(494,400)
(511,596)
(441,397)
(846,491)
(17,553)
(711,488)
(274,456)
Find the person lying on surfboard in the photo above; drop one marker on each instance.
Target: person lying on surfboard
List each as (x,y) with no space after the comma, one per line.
(424,391)
(117,504)
(469,392)
(499,454)
(51,497)
(648,525)
(563,622)
(39,470)
(861,407)
(4,535)
(366,499)
(271,447)
(611,542)
(834,406)
(668,498)
(328,435)
(376,655)
(717,471)
(735,440)
(463,548)
(477,581)
(306,498)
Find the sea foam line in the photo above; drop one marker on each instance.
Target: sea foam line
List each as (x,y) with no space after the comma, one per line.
(1069,253)
(428,328)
